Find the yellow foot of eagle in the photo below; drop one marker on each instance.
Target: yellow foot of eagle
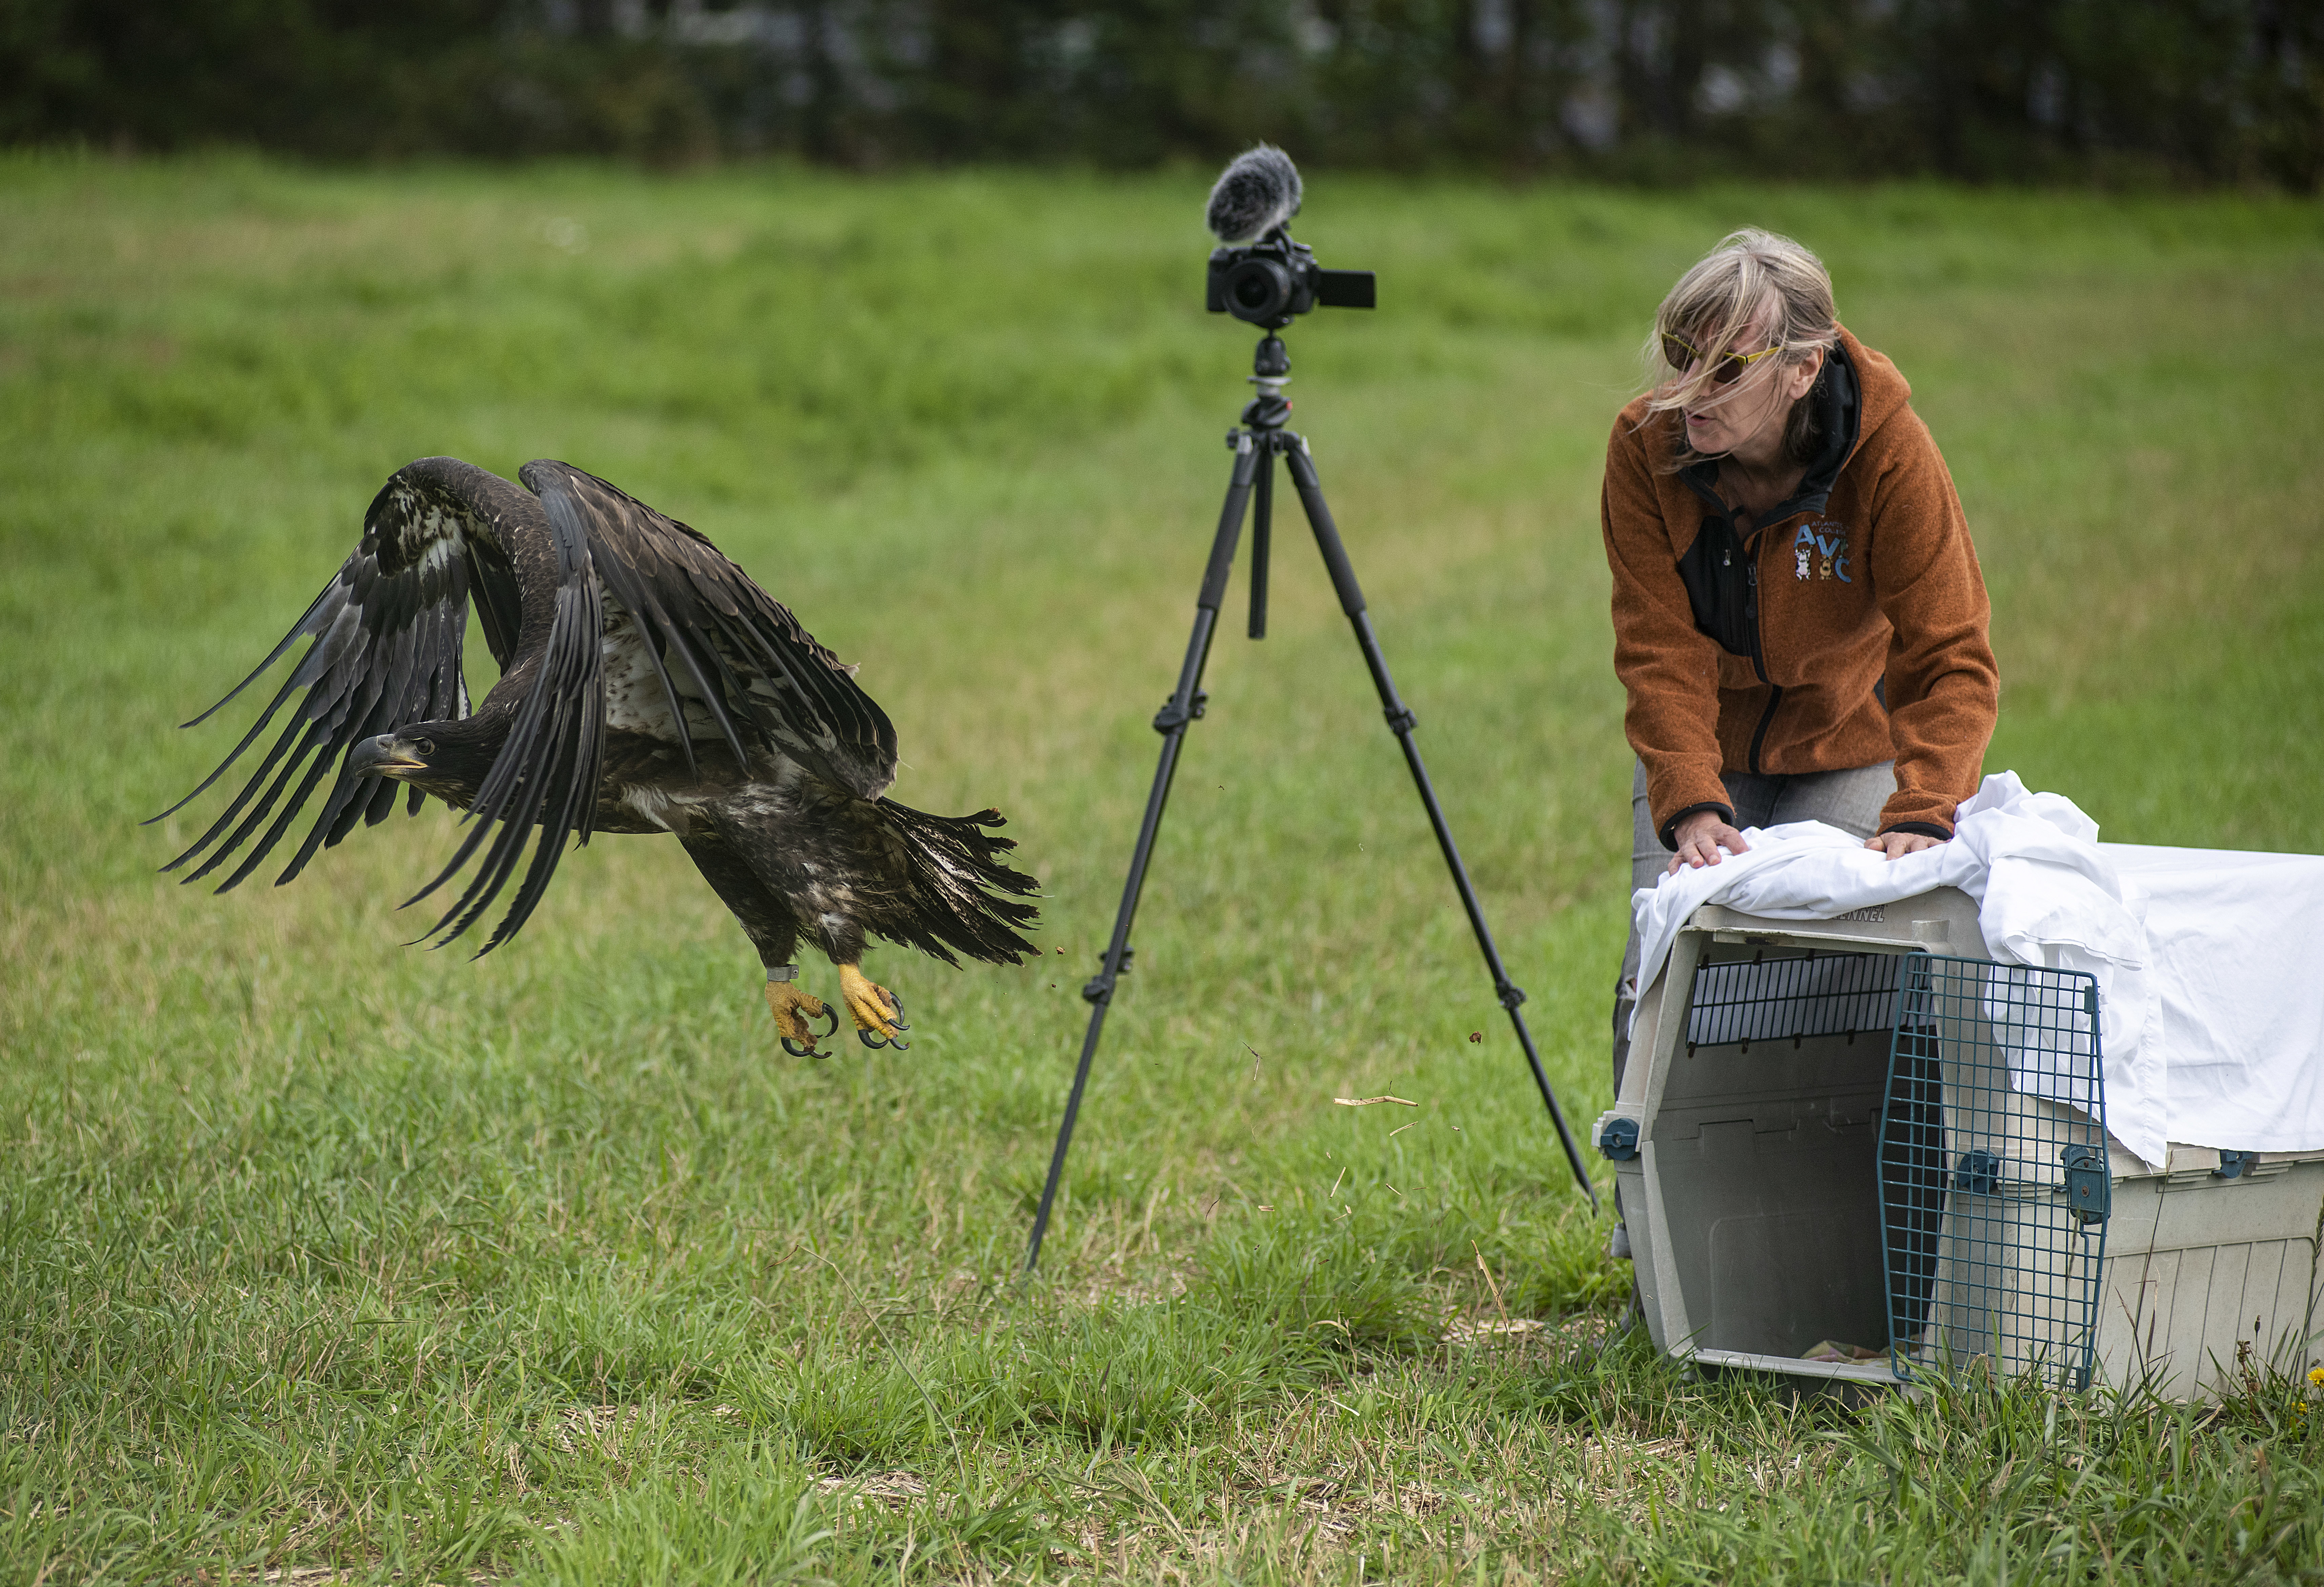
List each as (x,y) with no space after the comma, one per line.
(879,1012)
(792,1009)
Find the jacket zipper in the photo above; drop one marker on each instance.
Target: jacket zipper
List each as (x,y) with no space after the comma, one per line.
(1758,660)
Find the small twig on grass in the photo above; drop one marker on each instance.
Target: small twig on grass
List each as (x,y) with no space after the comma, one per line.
(1498,1304)
(1365,1101)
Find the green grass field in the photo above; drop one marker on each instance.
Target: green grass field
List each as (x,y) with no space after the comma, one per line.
(318,1252)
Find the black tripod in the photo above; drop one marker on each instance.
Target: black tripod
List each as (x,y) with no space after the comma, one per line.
(1257,444)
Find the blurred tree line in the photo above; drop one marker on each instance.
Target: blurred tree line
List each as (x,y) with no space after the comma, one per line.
(2203,90)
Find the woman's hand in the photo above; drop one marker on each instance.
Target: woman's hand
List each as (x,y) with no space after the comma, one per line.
(1701,836)
(1896,845)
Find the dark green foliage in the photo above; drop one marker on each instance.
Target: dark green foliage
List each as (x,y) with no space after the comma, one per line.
(1660,90)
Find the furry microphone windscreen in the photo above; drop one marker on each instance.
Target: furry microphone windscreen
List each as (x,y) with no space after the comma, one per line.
(1257,192)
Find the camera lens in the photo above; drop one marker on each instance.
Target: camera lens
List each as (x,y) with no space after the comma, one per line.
(1259,289)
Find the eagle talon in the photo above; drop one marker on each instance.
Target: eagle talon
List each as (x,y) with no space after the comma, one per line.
(811,1050)
(878,1011)
(792,1009)
(870,1040)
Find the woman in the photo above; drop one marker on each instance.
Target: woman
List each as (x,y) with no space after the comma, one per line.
(1799,619)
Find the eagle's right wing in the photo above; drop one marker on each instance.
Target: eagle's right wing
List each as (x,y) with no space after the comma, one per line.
(387,633)
(387,630)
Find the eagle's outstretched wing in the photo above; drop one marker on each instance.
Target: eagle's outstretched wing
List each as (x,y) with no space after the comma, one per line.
(387,633)
(743,654)
(387,630)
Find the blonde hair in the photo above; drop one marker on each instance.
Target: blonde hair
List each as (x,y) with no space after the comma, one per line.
(1751,275)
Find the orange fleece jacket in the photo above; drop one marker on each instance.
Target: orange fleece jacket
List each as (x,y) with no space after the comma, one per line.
(1763,654)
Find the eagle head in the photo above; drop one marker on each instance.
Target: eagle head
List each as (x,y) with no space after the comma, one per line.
(447,759)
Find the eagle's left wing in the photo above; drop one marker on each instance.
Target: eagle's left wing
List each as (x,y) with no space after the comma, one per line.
(743,654)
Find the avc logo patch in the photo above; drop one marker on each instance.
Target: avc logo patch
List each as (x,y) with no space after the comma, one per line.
(1819,551)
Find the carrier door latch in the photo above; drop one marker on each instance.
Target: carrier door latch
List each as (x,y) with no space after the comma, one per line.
(1617,1139)
(1978,1173)
(2089,1183)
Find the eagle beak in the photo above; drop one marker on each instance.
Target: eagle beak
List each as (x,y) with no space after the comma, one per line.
(384,756)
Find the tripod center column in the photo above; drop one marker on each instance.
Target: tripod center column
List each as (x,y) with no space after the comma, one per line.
(1270,372)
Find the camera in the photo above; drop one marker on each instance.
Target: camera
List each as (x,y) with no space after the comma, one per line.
(1261,276)
(1274,281)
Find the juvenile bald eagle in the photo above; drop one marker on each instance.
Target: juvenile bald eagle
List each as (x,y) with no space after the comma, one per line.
(646,685)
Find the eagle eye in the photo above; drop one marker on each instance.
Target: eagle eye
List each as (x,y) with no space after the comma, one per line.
(426,746)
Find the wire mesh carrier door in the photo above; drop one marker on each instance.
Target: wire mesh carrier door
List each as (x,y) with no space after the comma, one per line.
(1994,1183)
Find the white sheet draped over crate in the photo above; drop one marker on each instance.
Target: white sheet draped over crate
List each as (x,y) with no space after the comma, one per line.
(2209,963)
(2237,948)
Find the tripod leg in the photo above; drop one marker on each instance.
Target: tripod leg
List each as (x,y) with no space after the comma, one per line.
(1262,536)
(1401,720)
(1171,723)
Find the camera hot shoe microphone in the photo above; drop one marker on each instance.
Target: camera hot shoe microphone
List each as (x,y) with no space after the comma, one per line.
(1257,192)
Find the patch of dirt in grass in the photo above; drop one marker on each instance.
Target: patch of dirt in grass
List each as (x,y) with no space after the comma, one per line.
(1142,1285)
(600,1425)
(1341,1504)
(892,1490)
(1547,1336)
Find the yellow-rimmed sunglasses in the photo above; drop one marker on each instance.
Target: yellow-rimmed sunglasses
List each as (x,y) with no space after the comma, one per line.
(1678,353)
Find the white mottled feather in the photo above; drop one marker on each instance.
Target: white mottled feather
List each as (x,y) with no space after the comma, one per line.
(635,701)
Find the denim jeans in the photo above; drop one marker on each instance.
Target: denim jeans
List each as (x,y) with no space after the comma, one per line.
(1850,800)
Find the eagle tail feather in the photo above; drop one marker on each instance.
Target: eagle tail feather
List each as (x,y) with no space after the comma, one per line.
(963,897)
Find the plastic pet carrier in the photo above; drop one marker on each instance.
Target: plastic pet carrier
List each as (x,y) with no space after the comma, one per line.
(1862,1140)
